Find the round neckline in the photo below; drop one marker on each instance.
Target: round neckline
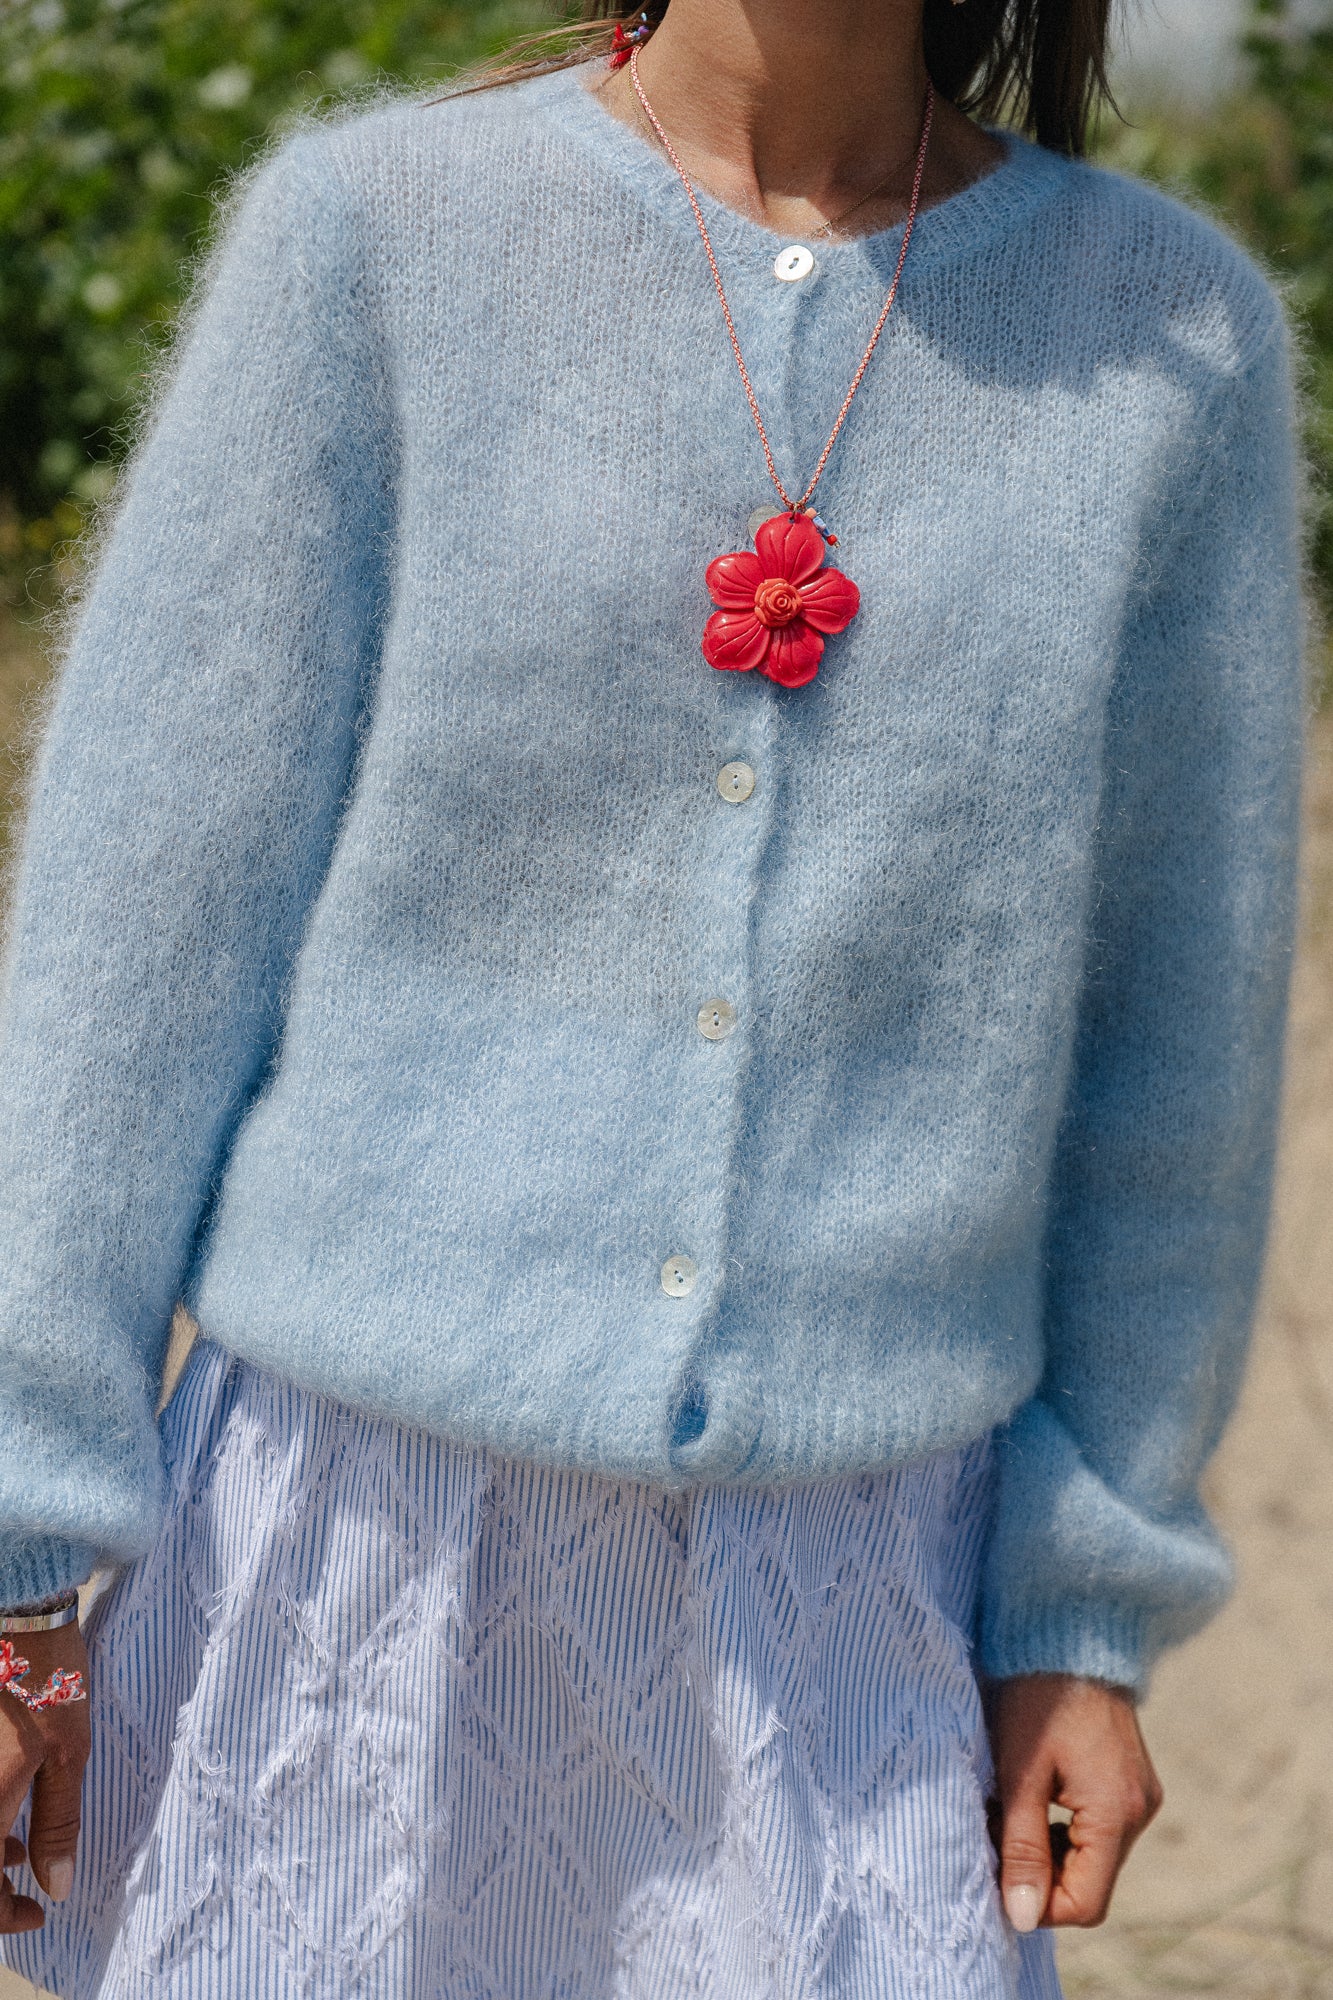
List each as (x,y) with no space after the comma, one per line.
(1026,176)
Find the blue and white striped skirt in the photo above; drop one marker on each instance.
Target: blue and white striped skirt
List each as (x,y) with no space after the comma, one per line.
(381,1715)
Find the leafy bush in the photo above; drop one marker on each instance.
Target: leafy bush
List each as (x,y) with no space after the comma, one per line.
(117,119)
(1263,159)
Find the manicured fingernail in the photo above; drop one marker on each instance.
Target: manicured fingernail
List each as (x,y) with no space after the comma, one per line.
(60,1879)
(1023,1905)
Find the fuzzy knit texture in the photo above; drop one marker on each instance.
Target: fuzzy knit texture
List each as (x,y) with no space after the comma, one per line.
(376,869)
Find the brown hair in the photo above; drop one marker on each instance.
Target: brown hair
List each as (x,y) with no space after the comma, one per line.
(1040,62)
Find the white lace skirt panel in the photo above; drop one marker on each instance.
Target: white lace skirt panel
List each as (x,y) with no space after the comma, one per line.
(384,1716)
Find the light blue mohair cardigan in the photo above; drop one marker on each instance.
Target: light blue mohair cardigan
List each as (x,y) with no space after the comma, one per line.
(376,870)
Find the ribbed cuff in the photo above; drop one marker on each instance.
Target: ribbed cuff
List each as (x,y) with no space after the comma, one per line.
(1097,1642)
(37,1566)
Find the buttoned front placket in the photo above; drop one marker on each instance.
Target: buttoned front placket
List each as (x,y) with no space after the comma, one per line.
(721,1407)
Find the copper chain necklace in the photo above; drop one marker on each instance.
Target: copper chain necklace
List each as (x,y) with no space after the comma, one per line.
(777,605)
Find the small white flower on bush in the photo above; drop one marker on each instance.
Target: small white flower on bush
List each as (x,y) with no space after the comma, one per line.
(223,89)
(102,293)
(345,69)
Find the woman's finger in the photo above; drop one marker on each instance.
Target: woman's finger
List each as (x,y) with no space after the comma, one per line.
(1025,1852)
(1077,1744)
(44,1749)
(15,1852)
(53,1826)
(48,1749)
(1100,1837)
(17,1913)
(21,1751)
(1082,1891)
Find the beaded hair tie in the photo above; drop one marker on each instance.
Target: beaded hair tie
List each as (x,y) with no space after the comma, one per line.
(624,43)
(65,1684)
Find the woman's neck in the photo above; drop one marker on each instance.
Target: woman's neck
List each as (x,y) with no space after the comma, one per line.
(792,111)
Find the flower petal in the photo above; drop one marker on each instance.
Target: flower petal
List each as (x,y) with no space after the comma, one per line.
(830,601)
(735,640)
(733,580)
(790,548)
(794,656)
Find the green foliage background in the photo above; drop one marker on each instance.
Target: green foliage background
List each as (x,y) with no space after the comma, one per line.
(118,118)
(1262,159)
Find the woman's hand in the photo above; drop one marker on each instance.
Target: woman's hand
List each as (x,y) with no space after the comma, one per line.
(1072,1743)
(46,1751)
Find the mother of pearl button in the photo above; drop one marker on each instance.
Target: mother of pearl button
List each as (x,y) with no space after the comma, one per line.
(792,263)
(679,1276)
(715,1020)
(762,514)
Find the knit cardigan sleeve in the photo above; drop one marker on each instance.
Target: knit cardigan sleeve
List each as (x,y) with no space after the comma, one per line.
(200,745)
(1102,1553)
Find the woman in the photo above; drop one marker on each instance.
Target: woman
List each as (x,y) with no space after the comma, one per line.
(706,1070)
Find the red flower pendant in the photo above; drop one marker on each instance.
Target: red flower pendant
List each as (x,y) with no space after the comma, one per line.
(776,605)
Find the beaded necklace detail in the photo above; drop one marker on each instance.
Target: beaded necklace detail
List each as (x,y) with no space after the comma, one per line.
(777,604)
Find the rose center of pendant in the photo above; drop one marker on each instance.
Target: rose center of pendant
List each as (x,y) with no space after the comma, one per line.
(777,602)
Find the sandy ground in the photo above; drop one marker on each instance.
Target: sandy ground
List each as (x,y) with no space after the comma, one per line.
(1231,1892)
